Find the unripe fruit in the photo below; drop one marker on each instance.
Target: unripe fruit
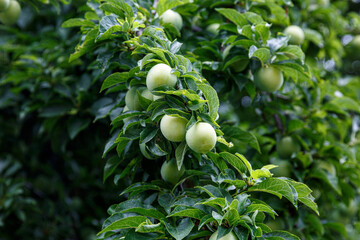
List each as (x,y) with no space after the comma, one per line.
(173,18)
(132,100)
(213,28)
(286,147)
(160,75)
(201,137)
(356,42)
(269,79)
(145,152)
(173,128)
(229,236)
(4,4)
(12,13)
(170,173)
(283,169)
(296,34)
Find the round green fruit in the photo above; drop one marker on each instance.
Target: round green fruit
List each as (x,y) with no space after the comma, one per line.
(160,75)
(4,4)
(173,128)
(213,28)
(229,236)
(286,147)
(356,42)
(170,173)
(283,169)
(173,18)
(296,34)
(201,137)
(132,100)
(269,79)
(145,152)
(12,13)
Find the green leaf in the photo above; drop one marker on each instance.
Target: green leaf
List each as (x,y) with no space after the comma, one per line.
(263,54)
(86,46)
(108,26)
(147,227)
(212,98)
(295,124)
(77,22)
(243,136)
(205,220)
(76,125)
(314,36)
(263,30)
(275,186)
(180,154)
(124,5)
(110,166)
(164,5)
(113,79)
(281,234)
(327,178)
(233,161)
(343,103)
(294,70)
(129,222)
(260,173)
(112,8)
(261,208)
(184,211)
(233,15)
(292,51)
(148,133)
(214,201)
(145,212)
(182,230)
(246,162)
(232,216)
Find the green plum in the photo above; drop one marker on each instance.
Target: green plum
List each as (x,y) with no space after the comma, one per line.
(269,79)
(160,75)
(4,4)
(132,100)
(356,42)
(213,28)
(296,34)
(172,17)
(173,128)
(12,13)
(283,170)
(170,173)
(201,137)
(286,147)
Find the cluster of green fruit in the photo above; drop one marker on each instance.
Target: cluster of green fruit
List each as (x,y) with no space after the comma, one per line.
(9,11)
(270,79)
(200,137)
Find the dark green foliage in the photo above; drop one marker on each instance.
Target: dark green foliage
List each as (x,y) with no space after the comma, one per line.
(63,109)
